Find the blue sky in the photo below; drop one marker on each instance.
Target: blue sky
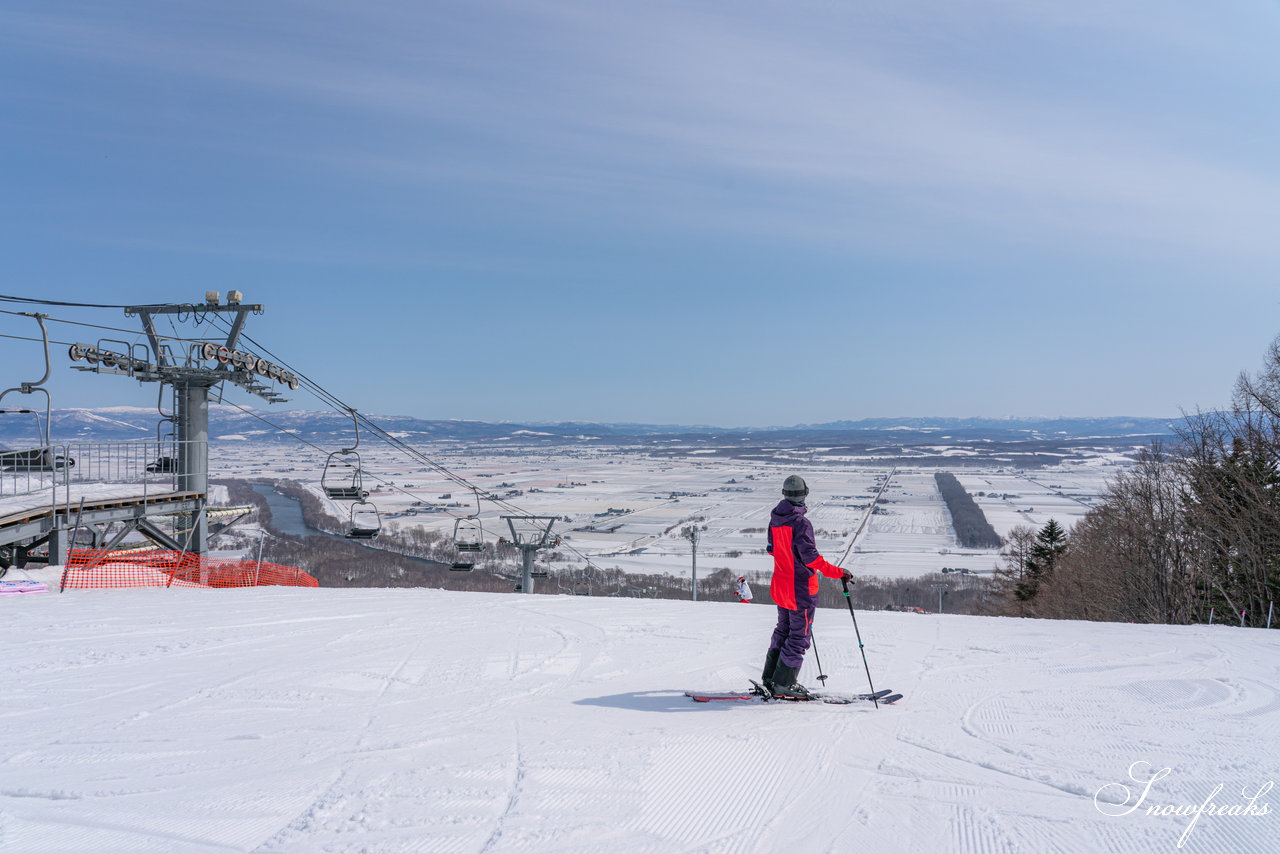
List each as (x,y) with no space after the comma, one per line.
(677,212)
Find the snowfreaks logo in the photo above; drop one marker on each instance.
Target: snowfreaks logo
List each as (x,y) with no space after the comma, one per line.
(1108,805)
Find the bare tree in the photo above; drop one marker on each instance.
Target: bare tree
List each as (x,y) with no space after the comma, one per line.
(1011,573)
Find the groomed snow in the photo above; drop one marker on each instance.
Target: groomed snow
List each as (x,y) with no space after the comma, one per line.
(277,719)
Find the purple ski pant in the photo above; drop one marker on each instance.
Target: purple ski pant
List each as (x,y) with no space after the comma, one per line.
(791,635)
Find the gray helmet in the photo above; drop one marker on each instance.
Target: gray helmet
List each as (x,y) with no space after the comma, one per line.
(794,489)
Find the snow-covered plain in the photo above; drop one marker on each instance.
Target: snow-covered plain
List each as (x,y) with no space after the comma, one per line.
(334,720)
(657,496)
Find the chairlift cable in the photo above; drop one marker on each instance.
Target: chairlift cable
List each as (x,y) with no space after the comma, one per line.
(414,453)
(315,388)
(322,450)
(338,404)
(32,300)
(133,332)
(328,397)
(36,340)
(67,304)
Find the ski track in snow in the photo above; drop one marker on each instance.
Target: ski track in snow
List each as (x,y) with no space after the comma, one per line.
(282,720)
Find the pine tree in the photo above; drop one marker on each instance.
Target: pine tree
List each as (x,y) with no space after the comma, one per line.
(1050,543)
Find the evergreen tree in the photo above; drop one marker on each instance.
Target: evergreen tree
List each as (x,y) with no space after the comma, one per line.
(1050,543)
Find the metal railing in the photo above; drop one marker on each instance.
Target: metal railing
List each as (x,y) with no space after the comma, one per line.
(68,472)
(26,482)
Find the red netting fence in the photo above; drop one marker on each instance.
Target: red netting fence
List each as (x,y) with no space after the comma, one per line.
(97,568)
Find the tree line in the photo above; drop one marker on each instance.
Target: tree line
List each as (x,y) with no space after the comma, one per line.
(973,531)
(1192,527)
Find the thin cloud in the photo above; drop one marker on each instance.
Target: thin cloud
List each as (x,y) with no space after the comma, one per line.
(625,109)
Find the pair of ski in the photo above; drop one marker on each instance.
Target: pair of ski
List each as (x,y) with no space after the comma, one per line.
(760,694)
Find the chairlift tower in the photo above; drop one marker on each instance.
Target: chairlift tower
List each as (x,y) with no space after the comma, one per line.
(191,376)
(530,534)
(693,534)
(942,591)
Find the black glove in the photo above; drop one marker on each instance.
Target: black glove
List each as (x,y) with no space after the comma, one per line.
(847,578)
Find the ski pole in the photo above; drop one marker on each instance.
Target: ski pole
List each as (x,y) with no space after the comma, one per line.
(867,667)
(822,677)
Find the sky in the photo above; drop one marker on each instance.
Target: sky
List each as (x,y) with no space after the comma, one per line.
(747,213)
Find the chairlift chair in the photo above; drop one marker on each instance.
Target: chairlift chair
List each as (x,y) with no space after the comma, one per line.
(163,465)
(166,439)
(468,539)
(366,523)
(34,460)
(334,480)
(40,458)
(468,536)
(341,479)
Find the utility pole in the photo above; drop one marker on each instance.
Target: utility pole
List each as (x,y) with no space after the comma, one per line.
(693,533)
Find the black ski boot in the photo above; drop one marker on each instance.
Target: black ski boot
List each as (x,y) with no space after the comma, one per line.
(785,686)
(770,665)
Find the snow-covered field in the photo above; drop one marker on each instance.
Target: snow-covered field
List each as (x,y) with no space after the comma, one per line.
(280,719)
(627,508)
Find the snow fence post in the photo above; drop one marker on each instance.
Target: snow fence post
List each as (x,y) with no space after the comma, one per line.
(258,573)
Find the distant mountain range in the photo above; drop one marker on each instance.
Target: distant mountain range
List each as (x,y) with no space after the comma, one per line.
(331,428)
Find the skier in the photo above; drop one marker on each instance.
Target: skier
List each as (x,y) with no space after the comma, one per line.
(743,590)
(794,588)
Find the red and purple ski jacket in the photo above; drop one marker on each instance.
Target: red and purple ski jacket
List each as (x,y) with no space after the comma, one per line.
(796,562)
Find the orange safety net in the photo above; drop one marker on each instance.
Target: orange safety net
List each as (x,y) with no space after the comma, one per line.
(97,568)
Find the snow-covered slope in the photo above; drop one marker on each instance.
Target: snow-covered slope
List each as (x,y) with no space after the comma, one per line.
(326,720)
